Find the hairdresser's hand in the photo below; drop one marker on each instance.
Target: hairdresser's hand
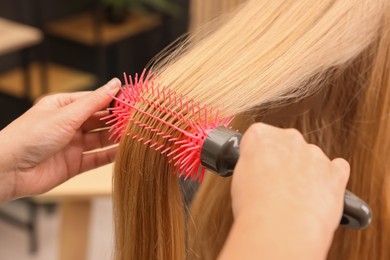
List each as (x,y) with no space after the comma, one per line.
(46,146)
(287,197)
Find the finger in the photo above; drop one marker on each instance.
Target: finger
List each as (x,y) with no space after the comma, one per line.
(318,156)
(96,140)
(95,122)
(83,108)
(62,99)
(97,159)
(341,169)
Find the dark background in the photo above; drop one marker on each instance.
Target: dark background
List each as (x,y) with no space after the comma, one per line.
(130,55)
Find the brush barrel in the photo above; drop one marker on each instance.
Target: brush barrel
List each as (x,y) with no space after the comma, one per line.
(220,152)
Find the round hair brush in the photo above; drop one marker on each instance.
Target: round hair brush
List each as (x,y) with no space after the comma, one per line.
(198,138)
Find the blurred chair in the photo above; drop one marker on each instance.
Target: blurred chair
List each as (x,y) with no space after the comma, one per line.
(91,29)
(74,198)
(12,107)
(22,39)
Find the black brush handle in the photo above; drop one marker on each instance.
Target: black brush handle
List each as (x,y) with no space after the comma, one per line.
(220,153)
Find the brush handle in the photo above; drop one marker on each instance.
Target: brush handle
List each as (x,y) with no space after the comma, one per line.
(220,152)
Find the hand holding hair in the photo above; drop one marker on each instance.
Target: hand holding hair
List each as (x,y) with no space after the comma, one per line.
(290,208)
(49,144)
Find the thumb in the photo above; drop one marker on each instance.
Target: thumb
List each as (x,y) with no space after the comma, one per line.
(84,107)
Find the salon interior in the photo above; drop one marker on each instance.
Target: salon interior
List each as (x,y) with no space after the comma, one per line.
(62,46)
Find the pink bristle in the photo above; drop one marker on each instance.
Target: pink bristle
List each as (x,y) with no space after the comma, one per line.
(194,162)
(163,93)
(174,151)
(201,176)
(131,81)
(174,98)
(228,121)
(169,96)
(185,160)
(166,150)
(182,148)
(125,77)
(205,114)
(193,108)
(158,148)
(177,157)
(152,87)
(199,116)
(181,142)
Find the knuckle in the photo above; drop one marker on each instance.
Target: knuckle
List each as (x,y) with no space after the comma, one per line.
(97,94)
(255,131)
(254,136)
(293,135)
(321,160)
(316,150)
(45,99)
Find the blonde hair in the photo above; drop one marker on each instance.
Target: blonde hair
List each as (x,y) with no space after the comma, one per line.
(319,66)
(208,13)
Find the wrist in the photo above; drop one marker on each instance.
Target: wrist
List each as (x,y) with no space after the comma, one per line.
(268,236)
(310,221)
(7,169)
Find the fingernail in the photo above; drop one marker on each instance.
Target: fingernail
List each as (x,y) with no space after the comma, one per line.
(113,85)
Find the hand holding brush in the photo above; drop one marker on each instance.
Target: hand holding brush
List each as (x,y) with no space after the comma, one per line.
(54,141)
(287,197)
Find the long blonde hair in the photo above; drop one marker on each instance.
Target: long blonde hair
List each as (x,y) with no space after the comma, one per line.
(320,66)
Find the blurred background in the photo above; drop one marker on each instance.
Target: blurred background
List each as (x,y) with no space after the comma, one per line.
(72,45)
